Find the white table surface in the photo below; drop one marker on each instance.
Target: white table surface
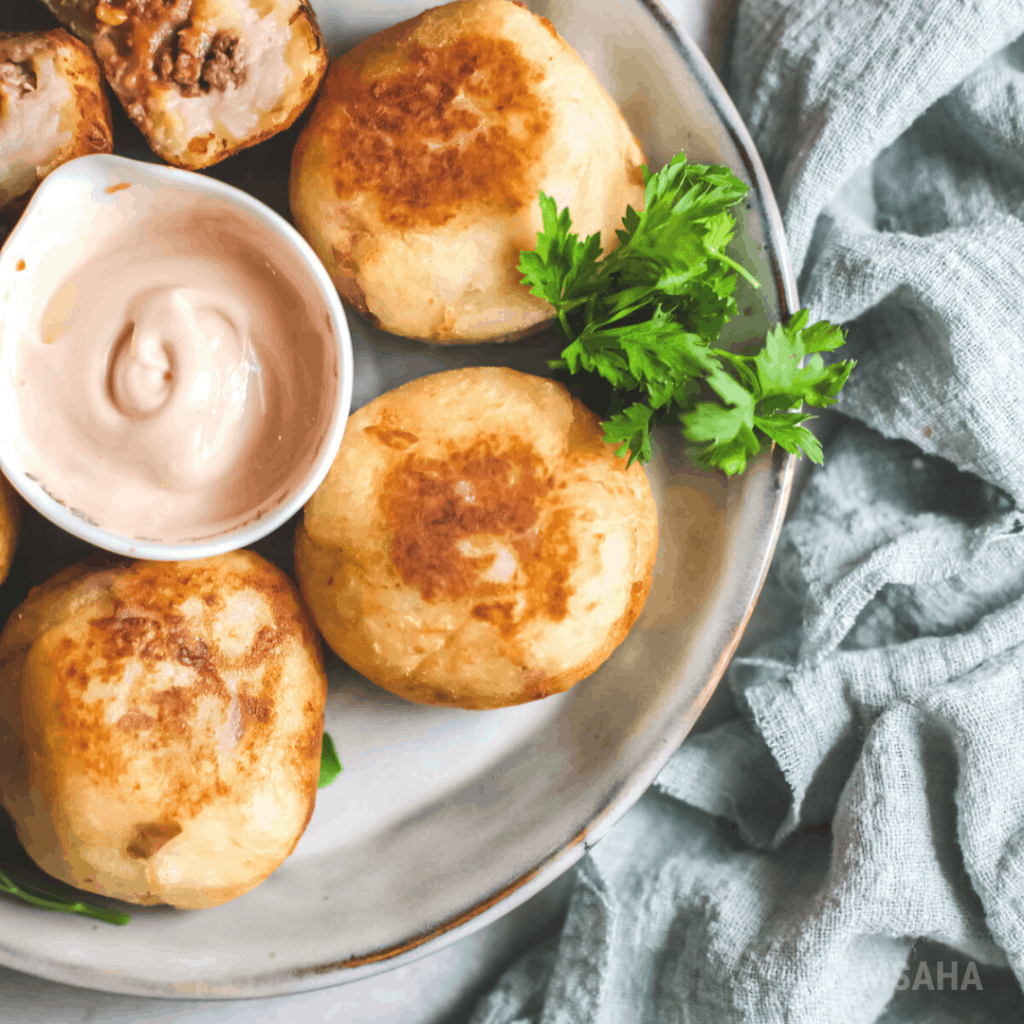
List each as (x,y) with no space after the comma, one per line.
(438,989)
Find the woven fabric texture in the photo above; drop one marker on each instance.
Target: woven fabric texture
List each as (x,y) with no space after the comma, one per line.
(848,844)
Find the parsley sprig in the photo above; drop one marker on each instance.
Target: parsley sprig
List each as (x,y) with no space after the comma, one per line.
(48,899)
(647,318)
(330,763)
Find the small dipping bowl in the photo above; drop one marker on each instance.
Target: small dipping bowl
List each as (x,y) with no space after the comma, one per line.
(83,208)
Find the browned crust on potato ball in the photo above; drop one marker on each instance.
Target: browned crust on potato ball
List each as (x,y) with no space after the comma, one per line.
(427,516)
(145,625)
(403,138)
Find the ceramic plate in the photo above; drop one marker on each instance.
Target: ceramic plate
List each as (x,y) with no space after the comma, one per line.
(445,819)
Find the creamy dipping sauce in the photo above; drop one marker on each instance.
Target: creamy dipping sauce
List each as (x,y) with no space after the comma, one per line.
(171,382)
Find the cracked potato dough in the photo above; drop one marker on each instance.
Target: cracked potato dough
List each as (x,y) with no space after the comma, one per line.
(417,177)
(52,109)
(160,726)
(476,543)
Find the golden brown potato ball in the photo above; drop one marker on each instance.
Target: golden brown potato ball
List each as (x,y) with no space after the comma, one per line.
(476,543)
(417,178)
(160,726)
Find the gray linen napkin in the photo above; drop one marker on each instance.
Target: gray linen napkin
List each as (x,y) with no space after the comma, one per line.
(853,836)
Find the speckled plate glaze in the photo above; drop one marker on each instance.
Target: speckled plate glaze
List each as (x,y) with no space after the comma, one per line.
(444,820)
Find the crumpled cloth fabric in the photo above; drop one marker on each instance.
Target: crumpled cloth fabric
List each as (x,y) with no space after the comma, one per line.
(858,816)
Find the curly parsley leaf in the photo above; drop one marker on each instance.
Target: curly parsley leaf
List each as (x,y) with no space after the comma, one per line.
(39,895)
(330,763)
(648,316)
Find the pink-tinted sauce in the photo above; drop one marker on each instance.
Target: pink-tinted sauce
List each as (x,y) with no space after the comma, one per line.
(169,385)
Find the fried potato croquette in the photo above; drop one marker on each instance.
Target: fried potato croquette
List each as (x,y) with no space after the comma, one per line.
(476,544)
(160,726)
(52,109)
(203,79)
(417,177)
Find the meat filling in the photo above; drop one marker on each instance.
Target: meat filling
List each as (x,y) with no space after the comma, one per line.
(223,65)
(196,69)
(17,78)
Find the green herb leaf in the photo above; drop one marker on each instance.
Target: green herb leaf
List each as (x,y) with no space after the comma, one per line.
(785,430)
(562,267)
(631,430)
(330,765)
(41,896)
(648,317)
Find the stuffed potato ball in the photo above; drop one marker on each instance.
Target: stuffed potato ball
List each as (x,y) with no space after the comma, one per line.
(476,543)
(417,177)
(160,726)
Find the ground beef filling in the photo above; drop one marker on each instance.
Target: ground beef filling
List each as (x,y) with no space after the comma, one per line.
(196,69)
(16,79)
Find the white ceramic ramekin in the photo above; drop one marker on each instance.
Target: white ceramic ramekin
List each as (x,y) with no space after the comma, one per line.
(78,198)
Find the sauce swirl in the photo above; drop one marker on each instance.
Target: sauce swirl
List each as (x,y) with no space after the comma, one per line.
(181,375)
